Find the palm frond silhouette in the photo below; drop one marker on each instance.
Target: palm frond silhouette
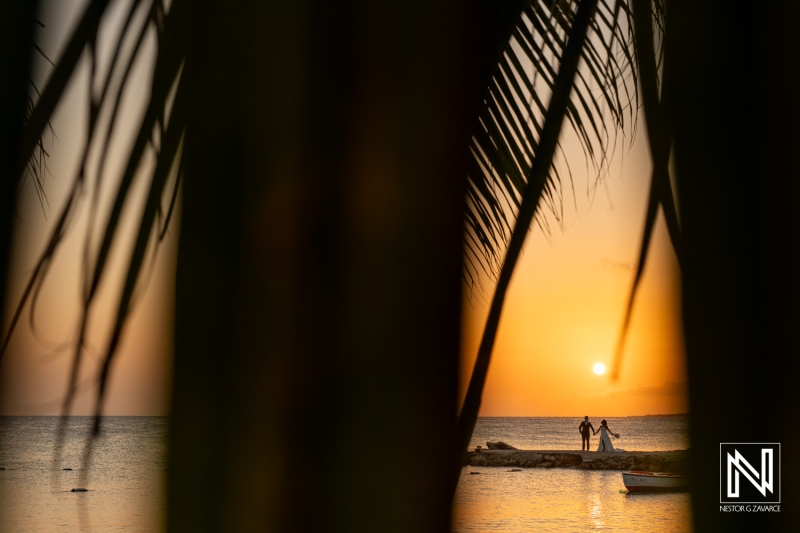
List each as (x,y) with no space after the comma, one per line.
(337,180)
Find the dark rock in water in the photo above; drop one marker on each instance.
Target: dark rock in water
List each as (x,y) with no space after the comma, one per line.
(500,445)
(515,470)
(79,490)
(67,469)
(474,473)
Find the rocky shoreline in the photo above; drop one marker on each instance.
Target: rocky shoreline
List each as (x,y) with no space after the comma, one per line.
(673,461)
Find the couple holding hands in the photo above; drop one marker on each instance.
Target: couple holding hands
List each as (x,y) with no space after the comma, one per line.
(605,441)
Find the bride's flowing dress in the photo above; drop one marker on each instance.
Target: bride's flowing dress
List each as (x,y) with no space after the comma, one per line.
(605,442)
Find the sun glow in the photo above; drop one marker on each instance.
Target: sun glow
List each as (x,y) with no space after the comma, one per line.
(599,368)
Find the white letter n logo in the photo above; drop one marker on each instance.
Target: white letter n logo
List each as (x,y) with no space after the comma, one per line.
(739,463)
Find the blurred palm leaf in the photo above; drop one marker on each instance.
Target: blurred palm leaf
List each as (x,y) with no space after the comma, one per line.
(656,99)
(160,132)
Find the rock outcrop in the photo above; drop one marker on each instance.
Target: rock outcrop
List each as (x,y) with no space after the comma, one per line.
(674,461)
(500,445)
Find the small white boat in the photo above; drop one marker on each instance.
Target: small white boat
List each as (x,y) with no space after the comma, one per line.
(640,481)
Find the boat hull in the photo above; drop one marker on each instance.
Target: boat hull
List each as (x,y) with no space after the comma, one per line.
(637,481)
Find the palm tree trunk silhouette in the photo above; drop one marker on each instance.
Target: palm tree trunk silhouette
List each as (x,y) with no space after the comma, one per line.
(735,146)
(319,269)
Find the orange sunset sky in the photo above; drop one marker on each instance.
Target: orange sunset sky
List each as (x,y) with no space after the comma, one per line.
(562,315)
(564,311)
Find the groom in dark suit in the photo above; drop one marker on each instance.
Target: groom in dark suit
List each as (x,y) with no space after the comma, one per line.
(584,428)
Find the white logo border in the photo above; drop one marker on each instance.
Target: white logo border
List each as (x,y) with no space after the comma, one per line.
(779,473)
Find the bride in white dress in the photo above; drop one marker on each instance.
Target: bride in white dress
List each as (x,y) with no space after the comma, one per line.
(605,441)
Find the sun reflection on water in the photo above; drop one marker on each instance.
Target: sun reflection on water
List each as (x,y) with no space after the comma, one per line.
(555,500)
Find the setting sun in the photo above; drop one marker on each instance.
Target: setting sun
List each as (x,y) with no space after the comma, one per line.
(599,368)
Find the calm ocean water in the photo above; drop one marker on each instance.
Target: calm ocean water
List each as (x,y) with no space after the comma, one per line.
(127,479)
(556,500)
